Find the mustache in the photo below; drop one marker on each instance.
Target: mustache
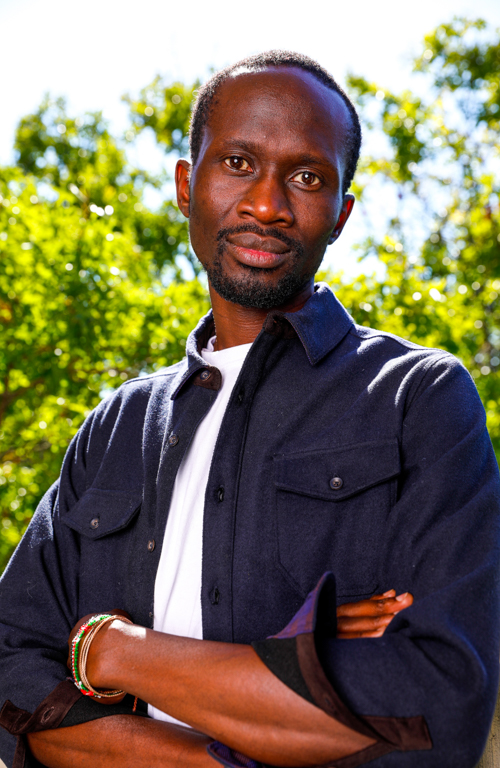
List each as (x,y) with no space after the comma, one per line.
(278,234)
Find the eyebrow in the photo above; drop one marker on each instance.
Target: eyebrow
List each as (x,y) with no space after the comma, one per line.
(251,147)
(313,160)
(247,146)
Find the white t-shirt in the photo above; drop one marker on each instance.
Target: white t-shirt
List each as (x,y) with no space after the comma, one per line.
(177,597)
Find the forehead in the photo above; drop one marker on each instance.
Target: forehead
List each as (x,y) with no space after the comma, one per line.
(279,104)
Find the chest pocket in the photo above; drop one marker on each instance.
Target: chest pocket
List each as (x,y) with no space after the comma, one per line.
(99,512)
(109,569)
(331,510)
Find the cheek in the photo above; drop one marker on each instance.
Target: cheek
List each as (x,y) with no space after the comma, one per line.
(328,217)
(202,215)
(210,211)
(213,197)
(318,223)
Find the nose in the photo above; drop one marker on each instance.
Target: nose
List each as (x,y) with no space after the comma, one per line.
(266,201)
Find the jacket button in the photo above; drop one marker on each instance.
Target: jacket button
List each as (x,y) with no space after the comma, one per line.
(204,375)
(151,545)
(94,523)
(220,493)
(336,483)
(173,439)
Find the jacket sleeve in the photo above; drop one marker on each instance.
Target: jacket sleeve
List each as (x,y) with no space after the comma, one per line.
(38,604)
(426,690)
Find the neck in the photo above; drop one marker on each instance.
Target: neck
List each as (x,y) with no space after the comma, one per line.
(235,325)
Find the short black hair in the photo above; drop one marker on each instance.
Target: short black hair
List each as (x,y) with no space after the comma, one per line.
(205,99)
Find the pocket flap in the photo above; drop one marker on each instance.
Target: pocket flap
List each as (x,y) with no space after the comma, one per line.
(337,473)
(100,512)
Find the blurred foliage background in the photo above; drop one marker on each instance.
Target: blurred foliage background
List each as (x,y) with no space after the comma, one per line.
(92,290)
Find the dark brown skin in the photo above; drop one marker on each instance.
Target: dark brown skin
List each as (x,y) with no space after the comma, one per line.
(272,157)
(122,741)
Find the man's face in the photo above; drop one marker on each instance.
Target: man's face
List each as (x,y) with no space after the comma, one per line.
(265,196)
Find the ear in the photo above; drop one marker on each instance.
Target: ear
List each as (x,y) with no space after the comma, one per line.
(182,175)
(347,206)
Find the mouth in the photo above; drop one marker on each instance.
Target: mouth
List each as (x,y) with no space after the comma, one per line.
(256,251)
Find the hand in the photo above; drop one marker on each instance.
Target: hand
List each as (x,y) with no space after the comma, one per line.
(370,618)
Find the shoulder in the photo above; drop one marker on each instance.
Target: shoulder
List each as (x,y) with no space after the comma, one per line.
(389,347)
(367,335)
(410,369)
(121,415)
(136,394)
(152,381)
(109,445)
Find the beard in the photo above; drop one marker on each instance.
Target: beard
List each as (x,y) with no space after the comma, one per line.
(253,289)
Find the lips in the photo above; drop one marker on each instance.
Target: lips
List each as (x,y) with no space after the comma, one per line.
(256,251)
(253,242)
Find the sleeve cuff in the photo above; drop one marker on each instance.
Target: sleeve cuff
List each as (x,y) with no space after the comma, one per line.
(63,707)
(291,655)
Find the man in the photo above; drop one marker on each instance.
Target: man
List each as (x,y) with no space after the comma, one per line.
(292,453)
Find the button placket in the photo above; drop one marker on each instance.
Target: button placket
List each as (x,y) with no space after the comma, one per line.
(219,518)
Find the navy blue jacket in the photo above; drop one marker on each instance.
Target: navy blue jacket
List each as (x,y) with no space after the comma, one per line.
(343,449)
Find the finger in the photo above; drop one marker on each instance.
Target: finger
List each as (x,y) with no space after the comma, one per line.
(363,623)
(404,600)
(389,593)
(361,608)
(389,605)
(356,635)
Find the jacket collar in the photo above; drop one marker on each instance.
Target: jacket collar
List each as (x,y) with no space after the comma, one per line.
(320,325)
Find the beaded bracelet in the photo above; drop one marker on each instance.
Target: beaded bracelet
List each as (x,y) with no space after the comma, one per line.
(83,655)
(79,653)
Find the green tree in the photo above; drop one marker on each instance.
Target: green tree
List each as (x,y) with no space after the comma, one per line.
(90,290)
(436,189)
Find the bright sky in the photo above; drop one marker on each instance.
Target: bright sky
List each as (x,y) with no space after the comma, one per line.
(95,51)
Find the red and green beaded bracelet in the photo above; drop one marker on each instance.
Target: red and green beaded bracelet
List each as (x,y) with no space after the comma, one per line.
(93,625)
(75,648)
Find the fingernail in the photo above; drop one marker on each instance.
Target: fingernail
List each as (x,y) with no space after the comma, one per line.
(402,597)
(389,592)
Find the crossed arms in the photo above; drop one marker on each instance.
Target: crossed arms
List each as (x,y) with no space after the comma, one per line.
(220,689)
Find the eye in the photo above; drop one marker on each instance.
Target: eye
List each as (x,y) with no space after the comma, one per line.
(237,163)
(307,178)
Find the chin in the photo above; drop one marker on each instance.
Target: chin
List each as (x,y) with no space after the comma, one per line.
(252,292)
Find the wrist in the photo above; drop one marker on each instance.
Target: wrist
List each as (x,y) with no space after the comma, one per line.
(105,656)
